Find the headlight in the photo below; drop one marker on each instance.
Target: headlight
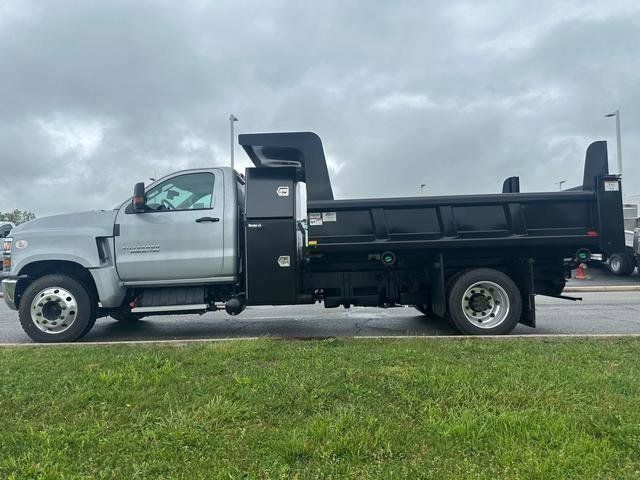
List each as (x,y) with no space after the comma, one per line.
(6,254)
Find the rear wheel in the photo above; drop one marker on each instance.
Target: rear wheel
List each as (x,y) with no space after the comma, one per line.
(56,308)
(484,302)
(621,264)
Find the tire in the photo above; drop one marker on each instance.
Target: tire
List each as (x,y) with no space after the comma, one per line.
(64,299)
(621,264)
(124,316)
(484,301)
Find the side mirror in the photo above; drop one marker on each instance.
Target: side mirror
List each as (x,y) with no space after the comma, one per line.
(139,201)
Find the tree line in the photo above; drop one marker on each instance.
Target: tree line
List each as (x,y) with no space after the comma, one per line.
(17,216)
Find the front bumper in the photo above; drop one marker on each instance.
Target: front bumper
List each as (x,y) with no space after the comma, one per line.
(8,288)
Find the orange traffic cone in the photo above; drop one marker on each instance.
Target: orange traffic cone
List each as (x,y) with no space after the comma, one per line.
(580,273)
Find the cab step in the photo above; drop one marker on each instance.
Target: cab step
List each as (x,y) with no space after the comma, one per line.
(171,308)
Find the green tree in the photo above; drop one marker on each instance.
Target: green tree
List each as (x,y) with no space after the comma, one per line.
(17,216)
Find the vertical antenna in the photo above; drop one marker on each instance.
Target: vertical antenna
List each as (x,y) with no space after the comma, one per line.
(232,120)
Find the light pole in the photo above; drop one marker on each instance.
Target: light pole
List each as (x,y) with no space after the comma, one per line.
(618,139)
(560,184)
(232,120)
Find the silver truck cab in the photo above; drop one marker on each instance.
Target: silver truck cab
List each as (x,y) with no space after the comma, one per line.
(94,263)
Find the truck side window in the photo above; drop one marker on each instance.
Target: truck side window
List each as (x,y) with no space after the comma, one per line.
(191,191)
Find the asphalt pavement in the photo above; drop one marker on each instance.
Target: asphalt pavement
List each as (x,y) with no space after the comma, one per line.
(598,275)
(609,313)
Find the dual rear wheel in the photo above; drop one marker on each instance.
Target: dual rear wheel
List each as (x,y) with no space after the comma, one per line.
(482,301)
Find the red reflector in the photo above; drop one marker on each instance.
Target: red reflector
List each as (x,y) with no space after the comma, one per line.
(592,233)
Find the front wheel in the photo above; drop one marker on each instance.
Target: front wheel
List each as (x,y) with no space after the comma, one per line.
(56,308)
(484,302)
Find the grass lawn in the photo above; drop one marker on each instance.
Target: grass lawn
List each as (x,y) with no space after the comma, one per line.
(546,409)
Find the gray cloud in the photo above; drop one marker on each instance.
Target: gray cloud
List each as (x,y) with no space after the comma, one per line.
(458,95)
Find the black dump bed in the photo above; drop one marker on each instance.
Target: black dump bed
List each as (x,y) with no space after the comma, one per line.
(557,223)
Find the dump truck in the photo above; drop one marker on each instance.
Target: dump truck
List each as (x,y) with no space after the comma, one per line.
(211,239)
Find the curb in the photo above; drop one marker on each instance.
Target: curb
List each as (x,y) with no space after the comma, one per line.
(603,288)
(195,341)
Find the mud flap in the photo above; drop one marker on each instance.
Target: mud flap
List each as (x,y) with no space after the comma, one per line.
(525,282)
(438,290)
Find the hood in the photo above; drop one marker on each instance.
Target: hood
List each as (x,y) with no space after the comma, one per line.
(98,222)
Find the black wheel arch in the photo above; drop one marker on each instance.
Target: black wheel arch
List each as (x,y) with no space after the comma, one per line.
(32,271)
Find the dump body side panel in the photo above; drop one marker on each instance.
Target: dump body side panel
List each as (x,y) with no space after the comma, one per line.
(560,221)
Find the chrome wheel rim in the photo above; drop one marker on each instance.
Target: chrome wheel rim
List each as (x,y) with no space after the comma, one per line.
(54,310)
(485,304)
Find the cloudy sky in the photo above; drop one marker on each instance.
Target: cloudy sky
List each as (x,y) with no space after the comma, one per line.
(97,95)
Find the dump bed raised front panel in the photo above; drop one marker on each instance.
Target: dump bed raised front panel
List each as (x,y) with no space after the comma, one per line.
(568,218)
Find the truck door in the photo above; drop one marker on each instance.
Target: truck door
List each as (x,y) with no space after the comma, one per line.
(179,237)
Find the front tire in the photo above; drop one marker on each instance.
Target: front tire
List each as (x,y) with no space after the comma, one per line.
(484,301)
(56,308)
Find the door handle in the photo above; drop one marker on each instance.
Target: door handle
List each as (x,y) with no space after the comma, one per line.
(207,219)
